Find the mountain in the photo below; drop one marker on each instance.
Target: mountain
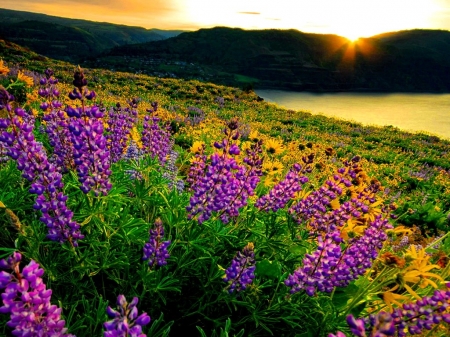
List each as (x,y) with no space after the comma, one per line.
(416,60)
(71,39)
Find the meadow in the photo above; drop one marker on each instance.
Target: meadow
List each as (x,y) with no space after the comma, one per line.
(161,207)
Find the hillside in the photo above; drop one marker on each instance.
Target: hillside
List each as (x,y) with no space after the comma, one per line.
(416,60)
(71,39)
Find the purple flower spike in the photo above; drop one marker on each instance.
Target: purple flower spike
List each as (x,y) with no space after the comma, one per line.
(171,171)
(282,192)
(125,320)
(155,250)
(57,127)
(45,178)
(27,300)
(223,186)
(120,123)
(156,139)
(333,266)
(90,151)
(5,99)
(242,270)
(356,326)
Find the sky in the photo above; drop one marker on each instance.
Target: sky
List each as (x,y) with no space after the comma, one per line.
(349,18)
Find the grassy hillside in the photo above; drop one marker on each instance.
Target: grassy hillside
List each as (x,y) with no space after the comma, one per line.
(401,61)
(70,39)
(311,194)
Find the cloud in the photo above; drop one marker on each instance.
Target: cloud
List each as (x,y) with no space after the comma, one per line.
(250,13)
(106,5)
(151,14)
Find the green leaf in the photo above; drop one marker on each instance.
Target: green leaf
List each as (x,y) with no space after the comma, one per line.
(343,295)
(298,250)
(7,252)
(158,329)
(202,333)
(268,268)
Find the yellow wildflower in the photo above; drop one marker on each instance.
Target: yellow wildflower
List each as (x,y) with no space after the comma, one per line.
(390,297)
(293,146)
(418,271)
(352,229)
(254,136)
(273,146)
(270,181)
(197,146)
(136,137)
(25,79)
(401,230)
(271,168)
(3,68)
(301,194)
(246,146)
(373,211)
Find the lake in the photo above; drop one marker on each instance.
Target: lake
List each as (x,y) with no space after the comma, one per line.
(409,112)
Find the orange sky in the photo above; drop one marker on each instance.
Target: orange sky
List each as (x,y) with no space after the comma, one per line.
(350,18)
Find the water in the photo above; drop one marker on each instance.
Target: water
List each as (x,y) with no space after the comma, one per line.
(410,112)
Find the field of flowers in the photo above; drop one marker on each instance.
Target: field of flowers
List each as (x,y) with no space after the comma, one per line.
(140,206)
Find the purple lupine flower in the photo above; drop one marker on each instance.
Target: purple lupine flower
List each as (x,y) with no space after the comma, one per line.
(195,116)
(57,127)
(356,326)
(242,270)
(197,169)
(91,155)
(331,265)
(49,91)
(224,186)
(412,318)
(46,180)
(5,99)
(90,151)
(248,177)
(216,189)
(282,192)
(3,152)
(244,130)
(133,152)
(220,101)
(120,124)
(315,208)
(134,174)
(404,242)
(155,250)
(27,300)
(125,320)
(171,171)
(156,139)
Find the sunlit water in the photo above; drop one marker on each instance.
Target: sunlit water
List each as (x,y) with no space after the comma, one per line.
(409,112)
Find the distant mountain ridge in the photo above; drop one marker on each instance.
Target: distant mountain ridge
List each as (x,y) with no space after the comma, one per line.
(405,61)
(71,39)
(416,60)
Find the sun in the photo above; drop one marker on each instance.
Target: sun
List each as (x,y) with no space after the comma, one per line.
(352,38)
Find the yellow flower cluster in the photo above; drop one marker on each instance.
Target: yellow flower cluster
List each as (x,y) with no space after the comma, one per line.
(25,79)
(4,70)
